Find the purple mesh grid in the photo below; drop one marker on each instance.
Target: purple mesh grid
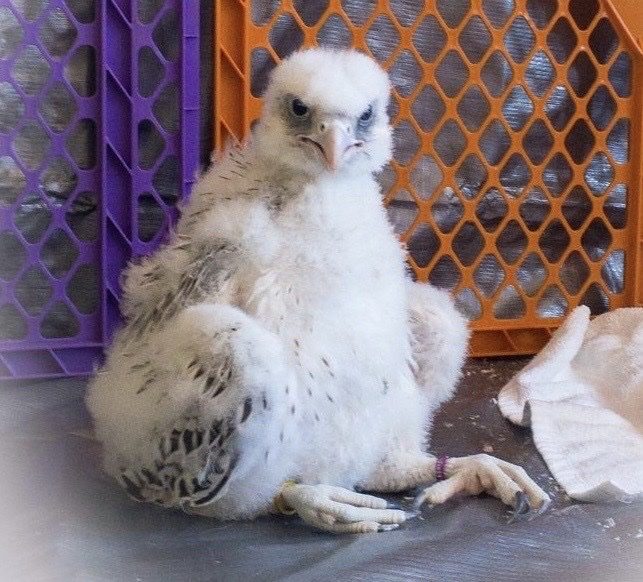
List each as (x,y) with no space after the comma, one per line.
(105,101)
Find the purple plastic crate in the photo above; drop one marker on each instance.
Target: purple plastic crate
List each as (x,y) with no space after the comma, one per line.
(99,130)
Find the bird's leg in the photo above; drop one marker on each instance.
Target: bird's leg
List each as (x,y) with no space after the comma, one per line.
(338,510)
(470,475)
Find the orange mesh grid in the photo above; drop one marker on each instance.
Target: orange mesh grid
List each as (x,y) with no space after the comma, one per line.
(452,118)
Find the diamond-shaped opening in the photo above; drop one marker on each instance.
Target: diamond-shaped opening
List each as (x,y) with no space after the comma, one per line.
(557,175)
(262,65)
(58,181)
(428,108)
(552,304)
(538,142)
(166,108)
(574,272)
(519,39)
(515,175)
(475,39)
(80,70)
(583,12)
(535,209)
(423,244)
(32,217)
(615,206)
(473,108)
(310,12)
(599,174)
(452,73)
(554,241)
(58,107)
(618,141)
(59,322)
(31,70)
(150,71)
(450,142)
(165,37)
(511,242)
(580,141)
(596,239)
(29,9)
(59,253)
(531,274)
(382,38)
(494,142)
(620,75)
(12,255)
(405,74)
(426,177)
(596,299)
(510,304)
(445,274)
(148,9)
(83,289)
(471,176)
(167,180)
(11,107)
(488,275)
(540,73)
(12,181)
(151,217)
(150,144)
(497,74)
(517,108)
(33,291)
(405,11)
(453,11)
(406,141)
(58,33)
(562,40)
(581,74)
(603,41)
(498,11)
(82,216)
(447,210)
(358,11)
(81,144)
(560,107)
(402,211)
(10,32)
(285,35)
(467,303)
(429,39)
(491,210)
(613,271)
(468,243)
(335,33)
(577,207)
(542,11)
(31,144)
(12,324)
(85,11)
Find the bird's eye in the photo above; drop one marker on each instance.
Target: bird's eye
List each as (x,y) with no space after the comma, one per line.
(364,117)
(299,108)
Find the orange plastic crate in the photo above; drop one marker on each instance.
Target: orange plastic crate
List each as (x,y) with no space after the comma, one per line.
(553,141)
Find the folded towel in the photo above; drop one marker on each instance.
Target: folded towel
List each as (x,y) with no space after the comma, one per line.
(582,395)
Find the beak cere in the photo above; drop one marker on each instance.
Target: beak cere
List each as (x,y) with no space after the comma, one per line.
(334,141)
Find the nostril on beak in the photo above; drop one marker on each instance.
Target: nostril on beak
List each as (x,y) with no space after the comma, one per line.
(322,127)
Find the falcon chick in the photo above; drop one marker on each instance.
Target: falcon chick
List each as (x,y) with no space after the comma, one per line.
(275,348)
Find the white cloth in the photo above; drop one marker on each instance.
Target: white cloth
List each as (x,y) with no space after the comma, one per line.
(582,395)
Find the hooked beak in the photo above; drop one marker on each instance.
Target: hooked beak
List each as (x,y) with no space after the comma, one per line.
(335,142)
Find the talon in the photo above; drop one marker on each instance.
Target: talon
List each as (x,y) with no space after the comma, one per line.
(544,506)
(521,505)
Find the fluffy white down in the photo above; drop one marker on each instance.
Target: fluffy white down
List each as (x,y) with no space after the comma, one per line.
(353,356)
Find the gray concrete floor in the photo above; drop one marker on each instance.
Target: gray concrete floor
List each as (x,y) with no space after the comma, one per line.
(62,519)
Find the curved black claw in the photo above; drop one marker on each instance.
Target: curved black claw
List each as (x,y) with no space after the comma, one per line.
(522,509)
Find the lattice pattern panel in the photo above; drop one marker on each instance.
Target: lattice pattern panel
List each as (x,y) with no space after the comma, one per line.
(516,178)
(96,145)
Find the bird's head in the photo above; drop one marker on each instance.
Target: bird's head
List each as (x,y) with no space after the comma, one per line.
(325,112)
